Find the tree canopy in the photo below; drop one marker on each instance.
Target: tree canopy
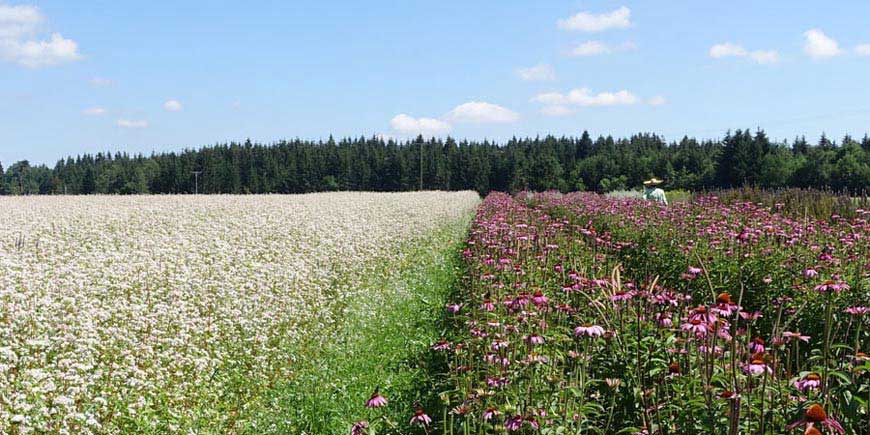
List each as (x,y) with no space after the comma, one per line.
(740,158)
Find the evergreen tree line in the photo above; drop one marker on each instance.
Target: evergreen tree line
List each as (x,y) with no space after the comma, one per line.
(741,158)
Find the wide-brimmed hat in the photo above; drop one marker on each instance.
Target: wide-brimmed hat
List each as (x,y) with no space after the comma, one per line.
(652,182)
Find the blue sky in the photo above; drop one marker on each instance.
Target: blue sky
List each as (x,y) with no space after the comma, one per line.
(89,76)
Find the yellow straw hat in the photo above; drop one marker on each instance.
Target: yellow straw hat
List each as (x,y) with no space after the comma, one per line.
(653,182)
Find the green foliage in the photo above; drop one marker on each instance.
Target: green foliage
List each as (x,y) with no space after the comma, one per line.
(605,164)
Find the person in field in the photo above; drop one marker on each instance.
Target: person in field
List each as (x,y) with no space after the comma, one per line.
(651,191)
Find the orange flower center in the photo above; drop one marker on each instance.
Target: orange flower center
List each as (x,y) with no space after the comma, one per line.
(816,414)
(813,377)
(724,298)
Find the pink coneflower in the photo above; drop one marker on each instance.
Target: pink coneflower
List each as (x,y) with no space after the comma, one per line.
(359,428)
(816,414)
(756,366)
(756,345)
(674,370)
(454,308)
(724,305)
(858,311)
(621,296)
(376,401)
(514,423)
(696,326)
(487,305)
(693,270)
(791,336)
(750,317)
(490,413)
(497,382)
(701,313)
(538,298)
(420,417)
(831,286)
(536,339)
(443,344)
(664,320)
(589,329)
(810,273)
(811,381)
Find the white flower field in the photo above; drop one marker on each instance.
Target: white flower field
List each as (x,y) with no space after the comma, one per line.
(127,312)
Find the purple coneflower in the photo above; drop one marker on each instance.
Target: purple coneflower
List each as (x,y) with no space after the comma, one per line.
(696,326)
(490,412)
(858,311)
(757,366)
(538,298)
(536,339)
(359,428)
(589,329)
(811,381)
(420,417)
(443,344)
(790,336)
(376,401)
(831,286)
(816,414)
(756,345)
(454,308)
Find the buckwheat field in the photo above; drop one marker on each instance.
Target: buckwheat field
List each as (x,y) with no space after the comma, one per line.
(169,313)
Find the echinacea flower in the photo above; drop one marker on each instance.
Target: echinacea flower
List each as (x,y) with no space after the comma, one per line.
(359,428)
(831,286)
(420,417)
(809,382)
(756,345)
(858,311)
(815,414)
(376,401)
(757,366)
(790,336)
(697,326)
(442,344)
(454,308)
(538,298)
(589,329)
(490,412)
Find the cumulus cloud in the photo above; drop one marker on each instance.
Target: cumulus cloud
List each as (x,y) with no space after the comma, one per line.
(538,73)
(172,106)
(94,111)
(862,50)
(128,123)
(818,45)
(408,125)
(19,44)
(589,22)
(728,49)
(584,98)
(594,48)
(658,100)
(480,112)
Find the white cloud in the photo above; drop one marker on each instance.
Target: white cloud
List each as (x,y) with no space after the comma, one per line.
(94,111)
(172,106)
(480,112)
(583,97)
(589,22)
(538,73)
(35,54)
(818,45)
(764,56)
(127,123)
(556,110)
(408,125)
(18,27)
(862,50)
(728,49)
(658,100)
(101,82)
(594,48)
(590,48)
(19,21)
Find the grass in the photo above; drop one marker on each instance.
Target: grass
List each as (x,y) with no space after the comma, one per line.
(383,343)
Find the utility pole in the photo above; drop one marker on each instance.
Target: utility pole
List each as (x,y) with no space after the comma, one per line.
(196,181)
